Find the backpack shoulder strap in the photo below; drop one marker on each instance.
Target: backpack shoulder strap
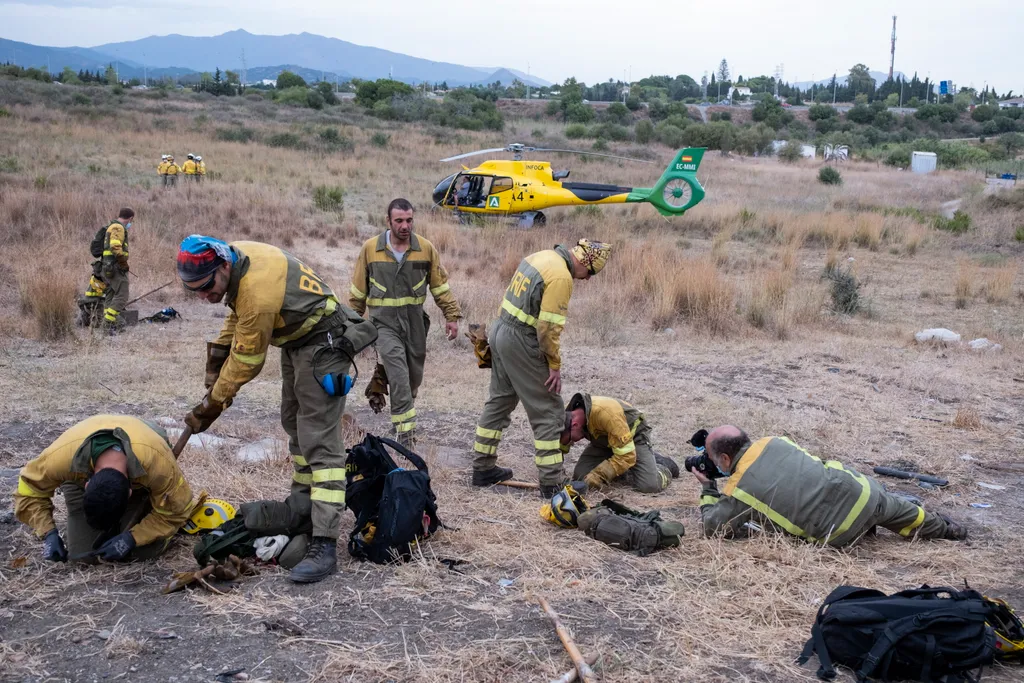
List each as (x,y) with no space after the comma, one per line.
(416,460)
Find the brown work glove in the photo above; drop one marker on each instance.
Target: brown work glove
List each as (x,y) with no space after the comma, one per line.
(205,414)
(216,356)
(481,349)
(377,389)
(610,470)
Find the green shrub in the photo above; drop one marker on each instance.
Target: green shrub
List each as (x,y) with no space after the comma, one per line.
(830,176)
(40,182)
(236,134)
(1019,234)
(820,112)
(295,97)
(898,158)
(289,140)
(669,135)
(579,113)
(790,152)
(612,131)
(329,198)
(600,145)
(80,99)
(844,290)
(958,224)
(9,165)
(379,139)
(575,131)
(314,100)
(332,139)
(644,131)
(721,116)
(287,80)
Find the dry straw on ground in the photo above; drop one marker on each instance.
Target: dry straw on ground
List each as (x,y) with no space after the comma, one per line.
(749,345)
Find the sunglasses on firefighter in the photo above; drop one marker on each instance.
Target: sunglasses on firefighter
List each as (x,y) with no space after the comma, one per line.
(205,287)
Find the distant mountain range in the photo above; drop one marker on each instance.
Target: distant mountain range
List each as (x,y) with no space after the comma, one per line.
(177,55)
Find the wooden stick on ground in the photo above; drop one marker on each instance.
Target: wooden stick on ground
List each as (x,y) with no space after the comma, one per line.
(570,675)
(586,673)
(518,484)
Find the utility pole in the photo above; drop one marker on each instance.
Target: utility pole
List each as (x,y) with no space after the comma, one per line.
(245,69)
(835,86)
(901,93)
(892,50)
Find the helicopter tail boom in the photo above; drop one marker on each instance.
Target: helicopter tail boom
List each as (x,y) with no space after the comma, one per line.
(678,189)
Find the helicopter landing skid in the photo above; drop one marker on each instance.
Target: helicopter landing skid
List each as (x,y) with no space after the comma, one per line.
(531,219)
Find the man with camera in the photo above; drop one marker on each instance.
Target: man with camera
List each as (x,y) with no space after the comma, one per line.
(774,482)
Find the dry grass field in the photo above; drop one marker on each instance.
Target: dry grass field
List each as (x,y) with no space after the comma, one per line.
(722,316)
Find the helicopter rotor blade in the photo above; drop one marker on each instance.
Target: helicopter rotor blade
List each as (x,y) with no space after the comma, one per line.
(593,154)
(479,151)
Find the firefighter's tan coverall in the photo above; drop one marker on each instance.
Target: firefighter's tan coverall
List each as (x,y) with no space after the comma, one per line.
(161,499)
(114,263)
(524,345)
(275,299)
(394,293)
(775,482)
(620,441)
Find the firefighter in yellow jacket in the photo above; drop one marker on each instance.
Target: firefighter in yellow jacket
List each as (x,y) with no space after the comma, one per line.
(189,168)
(161,169)
(775,483)
(200,169)
(526,360)
(171,171)
(114,266)
(125,495)
(619,445)
(275,299)
(393,273)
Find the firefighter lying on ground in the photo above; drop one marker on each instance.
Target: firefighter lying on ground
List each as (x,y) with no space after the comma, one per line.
(775,483)
(620,445)
(126,496)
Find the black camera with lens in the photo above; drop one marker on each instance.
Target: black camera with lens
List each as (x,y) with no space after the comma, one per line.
(701,462)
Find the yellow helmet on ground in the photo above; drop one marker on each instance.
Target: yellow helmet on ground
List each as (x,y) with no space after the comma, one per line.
(210,515)
(592,254)
(565,508)
(1009,630)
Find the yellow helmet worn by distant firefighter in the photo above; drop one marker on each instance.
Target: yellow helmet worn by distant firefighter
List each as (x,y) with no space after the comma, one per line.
(210,515)
(565,508)
(594,255)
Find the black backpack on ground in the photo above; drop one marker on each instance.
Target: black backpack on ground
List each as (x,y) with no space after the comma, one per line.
(926,634)
(394,507)
(96,246)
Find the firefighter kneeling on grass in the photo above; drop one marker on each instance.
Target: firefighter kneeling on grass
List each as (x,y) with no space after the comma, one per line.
(275,299)
(619,448)
(125,495)
(775,483)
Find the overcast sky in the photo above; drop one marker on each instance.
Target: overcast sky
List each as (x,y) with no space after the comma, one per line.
(593,40)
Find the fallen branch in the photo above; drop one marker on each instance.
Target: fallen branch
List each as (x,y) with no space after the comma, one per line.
(586,673)
(518,484)
(570,675)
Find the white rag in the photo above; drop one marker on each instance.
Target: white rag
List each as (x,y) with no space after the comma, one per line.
(269,547)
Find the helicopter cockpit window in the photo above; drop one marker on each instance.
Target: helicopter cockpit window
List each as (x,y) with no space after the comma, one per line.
(472,190)
(501,185)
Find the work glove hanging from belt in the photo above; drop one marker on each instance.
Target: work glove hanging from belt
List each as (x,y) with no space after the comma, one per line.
(53,547)
(481,349)
(377,389)
(205,414)
(216,356)
(610,470)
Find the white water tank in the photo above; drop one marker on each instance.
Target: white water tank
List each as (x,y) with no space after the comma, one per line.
(923,162)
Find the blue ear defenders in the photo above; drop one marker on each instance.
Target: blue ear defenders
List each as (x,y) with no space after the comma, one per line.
(334,383)
(337,384)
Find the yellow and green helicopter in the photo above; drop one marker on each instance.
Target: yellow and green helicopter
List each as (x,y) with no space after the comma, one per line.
(523,189)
